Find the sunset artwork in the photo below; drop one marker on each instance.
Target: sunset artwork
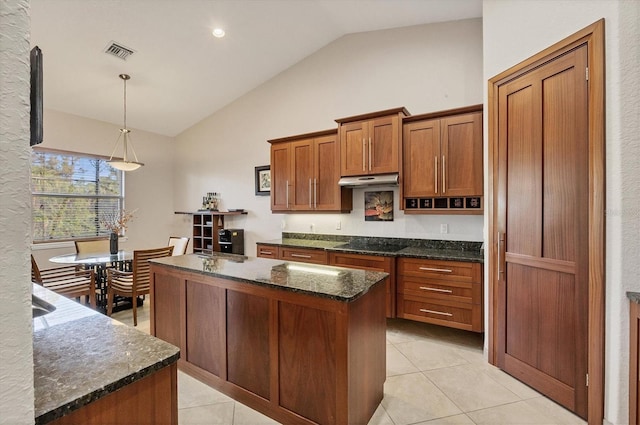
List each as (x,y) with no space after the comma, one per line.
(378,206)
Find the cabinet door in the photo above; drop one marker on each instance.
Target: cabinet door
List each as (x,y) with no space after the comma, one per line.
(421,158)
(280,176)
(301,186)
(461,146)
(353,149)
(326,192)
(383,145)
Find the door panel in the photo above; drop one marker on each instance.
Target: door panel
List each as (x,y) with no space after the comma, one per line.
(421,156)
(326,190)
(280,176)
(352,148)
(543,188)
(461,145)
(383,145)
(301,193)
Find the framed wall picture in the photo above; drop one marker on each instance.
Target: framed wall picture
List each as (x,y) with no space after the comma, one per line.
(263,180)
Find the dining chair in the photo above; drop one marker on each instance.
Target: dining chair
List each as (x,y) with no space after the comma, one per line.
(93,246)
(136,282)
(179,244)
(69,281)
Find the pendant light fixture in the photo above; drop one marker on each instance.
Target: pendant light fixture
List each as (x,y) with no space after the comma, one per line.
(125,164)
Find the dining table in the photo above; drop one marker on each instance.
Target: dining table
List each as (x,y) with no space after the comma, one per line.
(100,262)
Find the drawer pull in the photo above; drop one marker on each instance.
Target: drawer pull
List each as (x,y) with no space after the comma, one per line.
(446,291)
(431,269)
(300,256)
(442,313)
(266,252)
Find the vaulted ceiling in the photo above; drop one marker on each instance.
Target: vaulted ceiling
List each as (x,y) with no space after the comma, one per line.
(180,73)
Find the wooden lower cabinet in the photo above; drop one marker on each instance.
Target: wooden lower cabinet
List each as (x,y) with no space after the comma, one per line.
(294,357)
(305,255)
(375,263)
(151,400)
(447,293)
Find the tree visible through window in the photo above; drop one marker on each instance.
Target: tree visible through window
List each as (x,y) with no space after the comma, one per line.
(69,194)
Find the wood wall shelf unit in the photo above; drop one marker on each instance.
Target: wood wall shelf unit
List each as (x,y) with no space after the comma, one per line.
(206,224)
(442,154)
(305,170)
(371,143)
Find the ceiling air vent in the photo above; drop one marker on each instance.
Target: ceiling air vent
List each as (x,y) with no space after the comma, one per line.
(118,50)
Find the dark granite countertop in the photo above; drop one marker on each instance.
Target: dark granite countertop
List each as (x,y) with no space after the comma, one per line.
(80,356)
(335,283)
(634,297)
(388,247)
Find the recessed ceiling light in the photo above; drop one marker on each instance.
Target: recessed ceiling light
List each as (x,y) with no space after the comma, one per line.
(218,32)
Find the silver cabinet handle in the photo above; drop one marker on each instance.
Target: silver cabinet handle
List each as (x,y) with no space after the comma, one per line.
(369,153)
(287,193)
(431,269)
(444,182)
(266,252)
(315,193)
(300,256)
(442,313)
(435,161)
(310,192)
(500,242)
(446,291)
(364,152)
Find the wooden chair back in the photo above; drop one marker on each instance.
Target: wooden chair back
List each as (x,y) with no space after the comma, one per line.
(141,267)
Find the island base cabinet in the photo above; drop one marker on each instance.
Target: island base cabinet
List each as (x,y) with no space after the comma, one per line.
(297,358)
(151,400)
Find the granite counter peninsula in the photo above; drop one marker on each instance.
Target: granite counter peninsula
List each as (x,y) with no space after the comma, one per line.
(300,343)
(90,369)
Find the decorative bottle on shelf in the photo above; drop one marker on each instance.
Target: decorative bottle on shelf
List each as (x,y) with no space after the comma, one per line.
(113,243)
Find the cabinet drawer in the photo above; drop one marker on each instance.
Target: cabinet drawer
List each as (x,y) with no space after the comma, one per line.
(440,270)
(452,314)
(317,256)
(440,290)
(268,251)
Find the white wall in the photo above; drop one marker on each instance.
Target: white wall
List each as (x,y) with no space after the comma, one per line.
(149,190)
(514,31)
(16,352)
(424,68)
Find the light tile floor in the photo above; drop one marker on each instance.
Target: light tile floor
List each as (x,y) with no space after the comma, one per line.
(435,375)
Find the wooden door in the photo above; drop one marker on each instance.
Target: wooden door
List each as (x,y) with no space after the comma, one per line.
(280,176)
(326,192)
(301,187)
(543,228)
(461,155)
(383,147)
(353,149)
(421,152)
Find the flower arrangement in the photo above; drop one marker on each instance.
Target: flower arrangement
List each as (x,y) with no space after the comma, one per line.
(116,221)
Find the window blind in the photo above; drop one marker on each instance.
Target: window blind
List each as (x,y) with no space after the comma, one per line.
(70,193)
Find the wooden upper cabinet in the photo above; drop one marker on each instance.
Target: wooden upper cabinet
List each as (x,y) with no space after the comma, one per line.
(280,176)
(443,154)
(304,173)
(370,144)
(461,150)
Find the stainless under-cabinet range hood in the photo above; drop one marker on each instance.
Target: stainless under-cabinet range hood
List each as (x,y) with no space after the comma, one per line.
(379,180)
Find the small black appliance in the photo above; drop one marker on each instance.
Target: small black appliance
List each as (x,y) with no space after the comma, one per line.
(231,241)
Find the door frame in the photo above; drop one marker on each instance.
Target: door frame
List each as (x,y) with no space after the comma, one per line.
(593,37)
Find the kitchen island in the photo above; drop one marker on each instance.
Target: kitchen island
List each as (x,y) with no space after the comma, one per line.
(300,343)
(90,369)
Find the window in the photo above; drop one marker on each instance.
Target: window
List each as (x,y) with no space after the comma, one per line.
(69,194)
